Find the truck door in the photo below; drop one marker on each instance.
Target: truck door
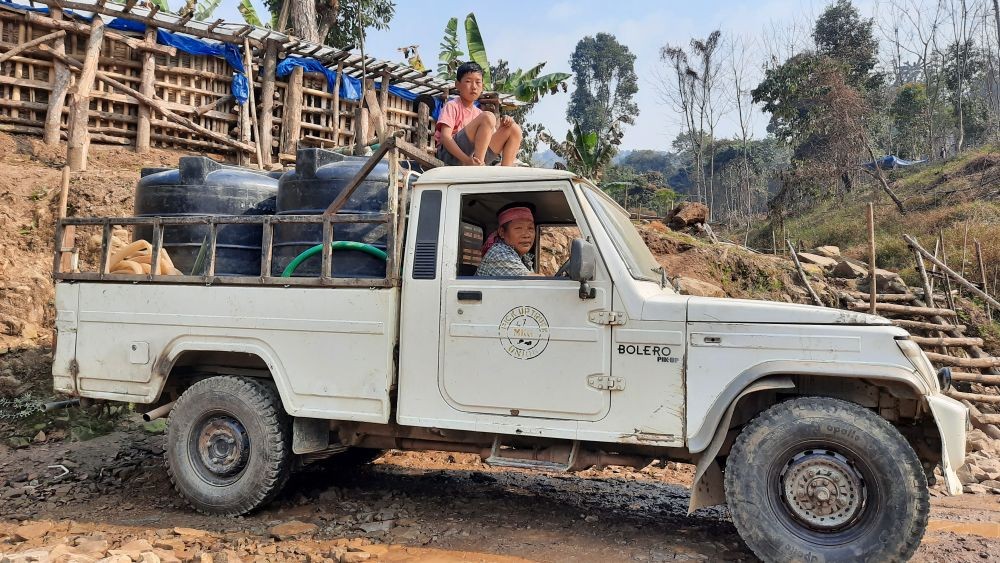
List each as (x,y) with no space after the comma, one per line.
(521,346)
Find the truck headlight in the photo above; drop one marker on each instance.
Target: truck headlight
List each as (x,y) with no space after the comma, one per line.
(919,361)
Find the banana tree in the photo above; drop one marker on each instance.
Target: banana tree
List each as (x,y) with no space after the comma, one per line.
(586,153)
(204,9)
(526,85)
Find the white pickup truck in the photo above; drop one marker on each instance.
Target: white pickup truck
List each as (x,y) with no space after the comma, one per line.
(818,427)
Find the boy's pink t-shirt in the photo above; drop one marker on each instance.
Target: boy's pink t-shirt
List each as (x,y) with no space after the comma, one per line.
(455,115)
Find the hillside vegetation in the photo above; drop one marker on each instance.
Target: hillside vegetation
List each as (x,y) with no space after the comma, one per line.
(945,197)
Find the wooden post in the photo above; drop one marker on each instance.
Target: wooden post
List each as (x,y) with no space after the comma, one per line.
(248,63)
(361,134)
(384,97)
(871,259)
(928,290)
(244,115)
(982,276)
(148,87)
(266,122)
(422,133)
(79,138)
(291,119)
(336,104)
(60,85)
(965,248)
(69,232)
(944,264)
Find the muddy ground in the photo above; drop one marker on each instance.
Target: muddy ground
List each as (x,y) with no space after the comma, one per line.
(111,495)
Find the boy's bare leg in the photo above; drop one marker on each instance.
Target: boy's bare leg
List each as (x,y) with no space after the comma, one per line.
(506,142)
(480,131)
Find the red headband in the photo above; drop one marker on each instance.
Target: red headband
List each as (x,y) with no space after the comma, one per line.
(514,213)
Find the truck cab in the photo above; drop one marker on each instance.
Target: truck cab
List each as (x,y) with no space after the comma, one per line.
(817,426)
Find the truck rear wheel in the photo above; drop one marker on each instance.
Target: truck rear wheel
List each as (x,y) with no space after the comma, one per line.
(228,445)
(827,480)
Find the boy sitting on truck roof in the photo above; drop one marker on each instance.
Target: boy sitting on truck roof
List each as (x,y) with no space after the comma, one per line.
(467,135)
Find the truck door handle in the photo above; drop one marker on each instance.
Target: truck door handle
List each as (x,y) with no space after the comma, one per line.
(470,295)
(713,340)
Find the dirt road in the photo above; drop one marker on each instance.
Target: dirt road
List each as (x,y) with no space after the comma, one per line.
(116,500)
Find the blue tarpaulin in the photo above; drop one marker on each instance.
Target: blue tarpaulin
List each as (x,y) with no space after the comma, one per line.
(890,162)
(350,87)
(41,9)
(240,86)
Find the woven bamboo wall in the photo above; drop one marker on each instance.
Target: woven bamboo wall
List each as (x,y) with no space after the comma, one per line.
(188,84)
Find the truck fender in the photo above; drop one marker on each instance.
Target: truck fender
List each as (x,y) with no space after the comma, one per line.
(195,343)
(952,419)
(708,489)
(700,437)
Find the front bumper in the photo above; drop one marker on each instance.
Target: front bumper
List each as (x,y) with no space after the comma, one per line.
(952,420)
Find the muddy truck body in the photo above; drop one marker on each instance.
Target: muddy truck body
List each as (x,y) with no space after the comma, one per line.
(818,427)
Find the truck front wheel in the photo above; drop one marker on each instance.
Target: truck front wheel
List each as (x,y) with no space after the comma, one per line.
(228,445)
(827,480)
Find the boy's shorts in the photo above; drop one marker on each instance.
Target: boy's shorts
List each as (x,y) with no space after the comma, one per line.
(467,146)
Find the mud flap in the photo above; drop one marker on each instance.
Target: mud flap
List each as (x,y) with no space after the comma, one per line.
(708,489)
(952,419)
(310,435)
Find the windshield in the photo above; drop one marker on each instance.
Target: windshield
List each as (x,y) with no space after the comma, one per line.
(640,261)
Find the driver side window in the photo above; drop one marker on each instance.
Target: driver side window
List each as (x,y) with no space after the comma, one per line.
(555,228)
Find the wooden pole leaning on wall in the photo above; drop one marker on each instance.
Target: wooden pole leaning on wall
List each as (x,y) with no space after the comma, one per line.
(148,87)
(291,116)
(422,132)
(873,292)
(982,276)
(248,63)
(57,95)
(949,272)
(156,103)
(266,122)
(336,103)
(79,137)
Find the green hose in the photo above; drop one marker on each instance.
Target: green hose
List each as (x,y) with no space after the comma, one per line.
(336,245)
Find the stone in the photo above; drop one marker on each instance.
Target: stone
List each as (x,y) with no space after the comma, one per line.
(691,286)
(977,441)
(40,437)
(992,484)
(149,557)
(192,532)
(377,550)
(965,475)
(989,466)
(975,489)
(591,518)
(847,270)
(828,251)
(133,549)
(32,531)
(371,527)
(821,261)
(686,214)
(92,545)
(355,557)
(294,528)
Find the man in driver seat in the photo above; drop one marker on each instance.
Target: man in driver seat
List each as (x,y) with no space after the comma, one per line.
(507,251)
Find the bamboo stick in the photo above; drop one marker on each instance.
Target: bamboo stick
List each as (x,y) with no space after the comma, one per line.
(947,341)
(157,104)
(882,297)
(982,275)
(981,421)
(78,145)
(906,309)
(976,397)
(148,88)
(69,231)
(978,363)
(921,325)
(248,62)
(336,103)
(928,289)
(872,300)
(947,281)
(60,86)
(975,378)
(962,281)
(965,248)
(803,276)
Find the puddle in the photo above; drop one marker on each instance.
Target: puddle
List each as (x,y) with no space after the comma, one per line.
(984,529)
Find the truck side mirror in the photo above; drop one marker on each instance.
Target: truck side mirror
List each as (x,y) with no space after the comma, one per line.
(582,266)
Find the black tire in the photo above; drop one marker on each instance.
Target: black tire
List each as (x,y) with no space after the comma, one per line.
(229,445)
(819,479)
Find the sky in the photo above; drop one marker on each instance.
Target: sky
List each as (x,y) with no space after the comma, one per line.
(528,32)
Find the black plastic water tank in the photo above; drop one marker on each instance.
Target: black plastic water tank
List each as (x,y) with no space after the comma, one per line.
(201,186)
(319,177)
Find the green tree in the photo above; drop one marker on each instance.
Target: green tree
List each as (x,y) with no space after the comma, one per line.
(526,85)
(586,152)
(332,22)
(841,34)
(606,85)
(908,112)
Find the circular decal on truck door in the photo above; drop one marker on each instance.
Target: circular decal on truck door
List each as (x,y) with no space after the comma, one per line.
(524,332)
